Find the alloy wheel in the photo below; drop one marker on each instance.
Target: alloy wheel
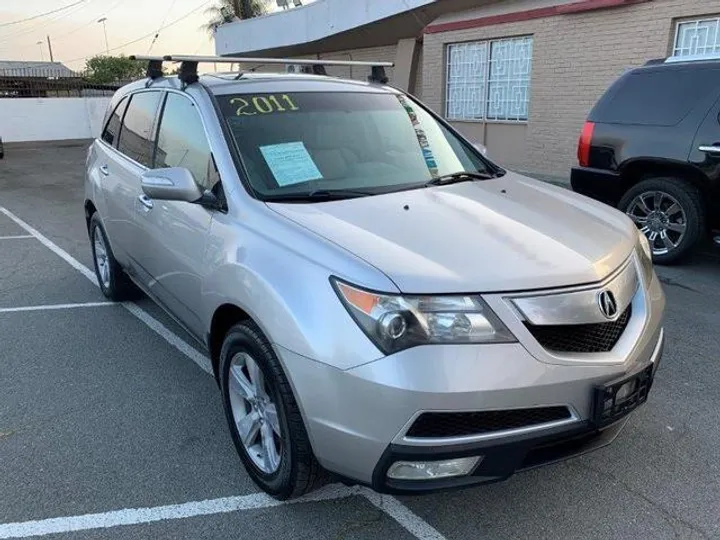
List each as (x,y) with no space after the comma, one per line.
(101,259)
(660,218)
(254,413)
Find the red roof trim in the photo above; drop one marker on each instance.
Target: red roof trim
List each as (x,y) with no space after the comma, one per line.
(539,13)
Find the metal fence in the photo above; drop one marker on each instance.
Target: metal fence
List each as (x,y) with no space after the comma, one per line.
(34,82)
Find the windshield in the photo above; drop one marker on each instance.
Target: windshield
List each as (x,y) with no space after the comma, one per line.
(306,143)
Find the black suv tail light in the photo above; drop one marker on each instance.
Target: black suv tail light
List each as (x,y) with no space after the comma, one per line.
(584,144)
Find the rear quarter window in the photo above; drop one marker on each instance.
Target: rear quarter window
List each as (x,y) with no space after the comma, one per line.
(661,97)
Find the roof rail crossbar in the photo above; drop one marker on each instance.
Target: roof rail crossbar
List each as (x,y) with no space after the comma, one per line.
(257,60)
(189,63)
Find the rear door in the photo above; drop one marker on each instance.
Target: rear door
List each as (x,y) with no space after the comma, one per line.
(172,234)
(126,165)
(705,152)
(104,173)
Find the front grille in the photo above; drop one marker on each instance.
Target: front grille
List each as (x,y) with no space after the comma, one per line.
(476,423)
(581,338)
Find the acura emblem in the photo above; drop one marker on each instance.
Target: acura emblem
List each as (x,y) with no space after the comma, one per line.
(607,304)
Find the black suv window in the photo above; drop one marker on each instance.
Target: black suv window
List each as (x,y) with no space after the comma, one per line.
(654,97)
(113,126)
(136,137)
(182,141)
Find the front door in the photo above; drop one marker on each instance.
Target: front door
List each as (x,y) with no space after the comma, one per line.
(171,243)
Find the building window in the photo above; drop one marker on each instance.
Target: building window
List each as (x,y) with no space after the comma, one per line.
(699,38)
(489,80)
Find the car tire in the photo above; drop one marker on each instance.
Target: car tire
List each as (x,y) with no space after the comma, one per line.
(676,227)
(297,471)
(113,281)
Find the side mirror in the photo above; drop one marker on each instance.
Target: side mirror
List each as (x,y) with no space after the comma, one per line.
(480,148)
(170,184)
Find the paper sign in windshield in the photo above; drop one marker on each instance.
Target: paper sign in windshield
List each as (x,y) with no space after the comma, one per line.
(290,163)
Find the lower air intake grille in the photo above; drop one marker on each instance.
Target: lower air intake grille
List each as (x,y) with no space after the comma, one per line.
(476,423)
(581,338)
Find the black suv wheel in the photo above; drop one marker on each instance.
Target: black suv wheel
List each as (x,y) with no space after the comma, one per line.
(669,211)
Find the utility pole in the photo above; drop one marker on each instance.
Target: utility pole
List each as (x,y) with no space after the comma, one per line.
(42,56)
(50,49)
(107,47)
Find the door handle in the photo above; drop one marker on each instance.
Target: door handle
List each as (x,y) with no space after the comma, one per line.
(146,201)
(104,170)
(710,149)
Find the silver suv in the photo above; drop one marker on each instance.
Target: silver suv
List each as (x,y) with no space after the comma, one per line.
(379,300)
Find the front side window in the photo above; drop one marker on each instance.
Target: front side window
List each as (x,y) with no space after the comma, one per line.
(112,130)
(182,141)
(319,141)
(136,136)
(698,39)
(489,80)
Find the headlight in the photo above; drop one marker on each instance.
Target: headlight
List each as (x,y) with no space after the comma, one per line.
(395,323)
(645,254)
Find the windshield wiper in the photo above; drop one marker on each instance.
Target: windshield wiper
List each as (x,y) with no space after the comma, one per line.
(318,195)
(461,176)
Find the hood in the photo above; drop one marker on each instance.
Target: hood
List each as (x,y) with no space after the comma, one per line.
(506,234)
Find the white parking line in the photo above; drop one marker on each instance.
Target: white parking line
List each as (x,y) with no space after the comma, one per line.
(17,237)
(174,340)
(56,306)
(388,504)
(408,519)
(159,328)
(72,261)
(139,516)
(256,501)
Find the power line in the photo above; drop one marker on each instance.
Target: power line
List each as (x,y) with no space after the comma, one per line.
(45,24)
(191,12)
(157,34)
(43,14)
(92,21)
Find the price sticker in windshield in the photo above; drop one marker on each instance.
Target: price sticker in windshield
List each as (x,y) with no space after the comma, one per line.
(254,105)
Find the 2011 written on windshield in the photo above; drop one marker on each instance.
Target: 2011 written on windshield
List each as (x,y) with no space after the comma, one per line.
(253,105)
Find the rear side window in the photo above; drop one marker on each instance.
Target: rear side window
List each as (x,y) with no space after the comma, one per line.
(112,129)
(182,141)
(137,135)
(661,97)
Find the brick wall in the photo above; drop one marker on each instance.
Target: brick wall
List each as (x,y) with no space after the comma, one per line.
(575,58)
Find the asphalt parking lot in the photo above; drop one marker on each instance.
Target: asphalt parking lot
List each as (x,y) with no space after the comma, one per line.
(111,428)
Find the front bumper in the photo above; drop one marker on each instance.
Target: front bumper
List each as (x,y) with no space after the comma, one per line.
(358,419)
(500,458)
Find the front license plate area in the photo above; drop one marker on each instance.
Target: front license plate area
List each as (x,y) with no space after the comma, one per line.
(613,400)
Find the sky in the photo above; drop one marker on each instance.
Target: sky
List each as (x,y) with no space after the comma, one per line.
(76,35)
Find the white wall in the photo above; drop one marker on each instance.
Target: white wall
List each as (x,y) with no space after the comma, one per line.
(319,20)
(51,119)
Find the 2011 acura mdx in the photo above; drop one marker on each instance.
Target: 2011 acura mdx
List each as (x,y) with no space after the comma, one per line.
(379,300)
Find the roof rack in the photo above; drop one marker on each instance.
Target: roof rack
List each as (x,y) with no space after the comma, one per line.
(188,65)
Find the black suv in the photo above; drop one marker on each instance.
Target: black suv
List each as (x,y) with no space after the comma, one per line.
(651,147)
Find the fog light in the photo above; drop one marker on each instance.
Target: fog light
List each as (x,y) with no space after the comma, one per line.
(625,390)
(430,470)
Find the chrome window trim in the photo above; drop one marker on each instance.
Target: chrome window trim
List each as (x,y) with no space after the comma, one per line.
(435,441)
